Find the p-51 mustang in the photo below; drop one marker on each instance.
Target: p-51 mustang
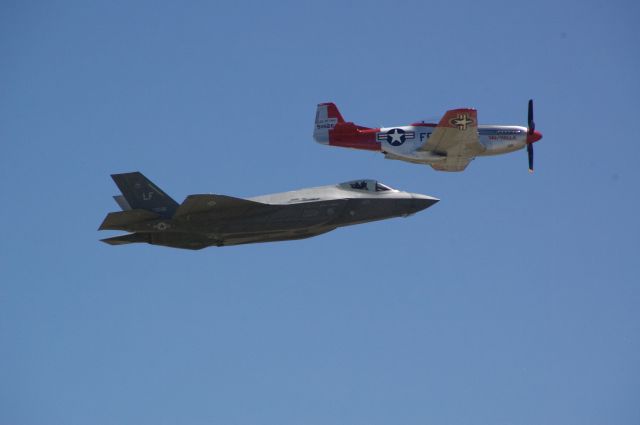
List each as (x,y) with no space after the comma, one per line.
(447,146)
(154,217)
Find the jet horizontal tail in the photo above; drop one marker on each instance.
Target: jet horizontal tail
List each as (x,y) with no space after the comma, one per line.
(121,220)
(127,239)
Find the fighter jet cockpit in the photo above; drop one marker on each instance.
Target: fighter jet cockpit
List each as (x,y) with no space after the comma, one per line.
(365,185)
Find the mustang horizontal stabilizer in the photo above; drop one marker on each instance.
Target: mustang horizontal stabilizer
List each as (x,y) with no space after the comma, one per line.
(121,219)
(195,204)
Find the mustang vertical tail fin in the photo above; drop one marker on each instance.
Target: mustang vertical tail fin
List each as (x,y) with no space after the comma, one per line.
(140,193)
(327,116)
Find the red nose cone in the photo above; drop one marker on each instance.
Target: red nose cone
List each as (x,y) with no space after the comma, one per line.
(532,138)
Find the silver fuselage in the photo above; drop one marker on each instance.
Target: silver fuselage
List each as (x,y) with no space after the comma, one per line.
(495,140)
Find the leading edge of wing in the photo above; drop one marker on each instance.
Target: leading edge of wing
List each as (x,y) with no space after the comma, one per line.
(195,204)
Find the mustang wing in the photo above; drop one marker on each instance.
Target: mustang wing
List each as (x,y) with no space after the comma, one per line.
(456,137)
(455,163)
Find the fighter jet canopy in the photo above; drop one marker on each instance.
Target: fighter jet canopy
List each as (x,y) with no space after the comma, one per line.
(366,185)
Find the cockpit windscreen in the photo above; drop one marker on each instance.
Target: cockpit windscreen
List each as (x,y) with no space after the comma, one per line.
(366,185)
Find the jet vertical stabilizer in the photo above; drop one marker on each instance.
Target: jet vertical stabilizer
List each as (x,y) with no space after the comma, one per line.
(141,193)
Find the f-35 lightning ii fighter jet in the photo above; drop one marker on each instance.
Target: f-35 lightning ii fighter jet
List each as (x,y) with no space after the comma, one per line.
(217,220)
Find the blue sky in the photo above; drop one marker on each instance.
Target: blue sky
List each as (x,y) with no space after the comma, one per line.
(512,301)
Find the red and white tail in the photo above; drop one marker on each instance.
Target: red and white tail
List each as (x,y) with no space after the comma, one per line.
(327,116)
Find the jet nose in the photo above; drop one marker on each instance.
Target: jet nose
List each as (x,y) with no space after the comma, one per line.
(421,202)
(532,138)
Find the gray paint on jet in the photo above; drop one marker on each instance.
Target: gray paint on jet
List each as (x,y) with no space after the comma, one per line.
(217,220)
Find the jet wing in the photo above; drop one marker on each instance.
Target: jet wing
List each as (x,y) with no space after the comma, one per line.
(456,137)
(175,240)
(195,204)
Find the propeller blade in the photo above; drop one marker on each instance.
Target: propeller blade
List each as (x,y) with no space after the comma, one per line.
(531,124)
(530,155)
